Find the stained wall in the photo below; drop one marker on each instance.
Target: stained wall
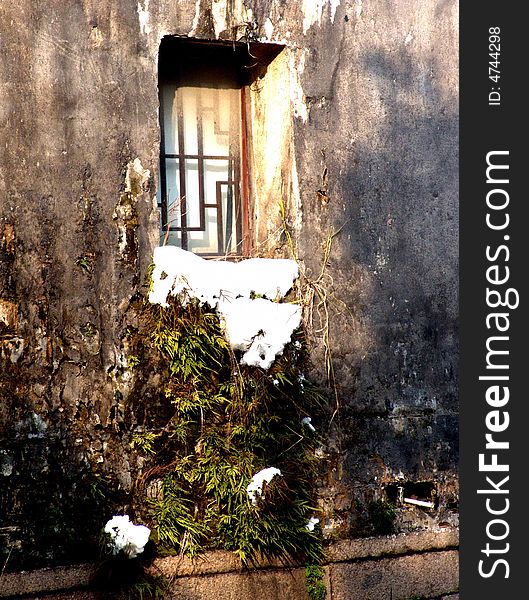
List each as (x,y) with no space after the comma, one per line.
(353,127)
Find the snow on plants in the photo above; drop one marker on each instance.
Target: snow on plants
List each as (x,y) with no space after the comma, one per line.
(245,294)
(255,487)
(259,327)
(307,422)
(127,537)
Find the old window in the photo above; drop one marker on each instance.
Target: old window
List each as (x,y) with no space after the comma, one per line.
(203,199)
(203,191)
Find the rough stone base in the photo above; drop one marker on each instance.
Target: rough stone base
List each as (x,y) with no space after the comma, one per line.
(423,565)
(424,575)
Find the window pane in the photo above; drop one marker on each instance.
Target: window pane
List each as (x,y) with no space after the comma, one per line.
(171,238)
(229,217)
(170,119)
(220,117)
(172,174)
(205,242)
(201,157)
(189,99)
(192,195)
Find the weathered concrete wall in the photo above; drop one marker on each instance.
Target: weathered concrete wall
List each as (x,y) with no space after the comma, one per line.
(373,155)
(381,141)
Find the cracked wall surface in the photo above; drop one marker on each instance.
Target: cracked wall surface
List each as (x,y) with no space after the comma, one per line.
(360,114)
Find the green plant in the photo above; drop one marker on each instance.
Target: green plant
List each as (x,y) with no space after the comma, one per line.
(132,361)
(154,588)
(314,582)
(382,514)
(224,423)
(86,262)
(99,488)
(144,441)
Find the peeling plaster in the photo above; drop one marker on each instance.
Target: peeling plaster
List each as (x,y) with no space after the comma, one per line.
(136,177)
(359,6)
(219,13)
(269,29)
(8,313)
(313,11)
(143,16)
(225,13)
(12,349)
(298,208)
(96,37)
(297,66)
(196,19)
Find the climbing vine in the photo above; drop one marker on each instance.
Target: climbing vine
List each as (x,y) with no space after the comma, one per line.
(223,423)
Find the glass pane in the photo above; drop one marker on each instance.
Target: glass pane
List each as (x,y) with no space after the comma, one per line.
(170,119)
(172,187)
(220,117)
(205,242)
(192,196)
(207,123)
(171,238)
(229,218)
(189,97)
(214,171)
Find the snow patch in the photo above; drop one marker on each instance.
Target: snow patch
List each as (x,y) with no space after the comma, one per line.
(255,487)
(260,327)
(126,536)
(307,422)
(177,271)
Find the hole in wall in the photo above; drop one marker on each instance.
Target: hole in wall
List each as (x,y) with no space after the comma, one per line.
(421,493)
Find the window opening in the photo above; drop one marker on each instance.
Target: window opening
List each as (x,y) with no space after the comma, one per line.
(203,192)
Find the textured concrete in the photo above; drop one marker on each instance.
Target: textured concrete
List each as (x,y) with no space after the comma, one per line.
(421,541)
(45,580)
(398,578)
(279,585)
(424,575)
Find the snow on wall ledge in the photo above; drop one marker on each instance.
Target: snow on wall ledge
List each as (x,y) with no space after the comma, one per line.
(260,327)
